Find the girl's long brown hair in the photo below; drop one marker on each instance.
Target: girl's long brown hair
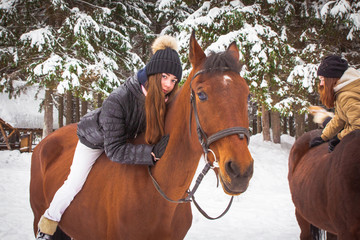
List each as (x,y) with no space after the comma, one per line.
(327,94)
(155,108)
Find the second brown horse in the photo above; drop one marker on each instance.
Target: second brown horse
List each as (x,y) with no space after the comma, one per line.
(325,187)
(119,201)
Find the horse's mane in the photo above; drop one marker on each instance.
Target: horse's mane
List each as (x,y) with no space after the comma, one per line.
(215,61)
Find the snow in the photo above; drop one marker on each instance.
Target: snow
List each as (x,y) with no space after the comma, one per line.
(15,213)
(264,211)
(49,66)
(38,37)
(164,4)
(84,23)
(7,4)
(18,112)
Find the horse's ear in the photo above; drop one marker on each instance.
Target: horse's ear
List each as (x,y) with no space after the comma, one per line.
(196,54)
(233,49)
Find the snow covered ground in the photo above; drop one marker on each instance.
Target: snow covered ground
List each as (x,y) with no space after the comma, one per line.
(264,211)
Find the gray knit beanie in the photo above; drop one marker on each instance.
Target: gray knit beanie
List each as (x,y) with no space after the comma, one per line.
(165,58)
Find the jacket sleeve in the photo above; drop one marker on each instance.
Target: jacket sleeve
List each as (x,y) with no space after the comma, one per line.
(352,110)
(88,130)
(112,120)
(332,128)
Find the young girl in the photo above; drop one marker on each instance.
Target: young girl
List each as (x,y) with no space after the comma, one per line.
(137,106)
(339,88)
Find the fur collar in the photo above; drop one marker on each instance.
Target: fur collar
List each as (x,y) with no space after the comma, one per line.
(349,76)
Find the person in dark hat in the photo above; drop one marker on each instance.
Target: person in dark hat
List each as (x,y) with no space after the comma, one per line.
(137,106)
(340,88)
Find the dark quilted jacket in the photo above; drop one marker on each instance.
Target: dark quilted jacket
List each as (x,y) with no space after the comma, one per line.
(121,117)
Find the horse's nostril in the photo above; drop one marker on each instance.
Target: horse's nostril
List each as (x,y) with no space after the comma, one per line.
(232,169)
(239,181)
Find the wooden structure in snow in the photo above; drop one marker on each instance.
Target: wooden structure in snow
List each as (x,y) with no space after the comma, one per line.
(17,138)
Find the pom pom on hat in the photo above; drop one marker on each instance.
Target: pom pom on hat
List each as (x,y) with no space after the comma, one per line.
(165,58)
(164,42)
(332,67)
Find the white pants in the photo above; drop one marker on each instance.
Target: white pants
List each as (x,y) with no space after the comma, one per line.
(84,159)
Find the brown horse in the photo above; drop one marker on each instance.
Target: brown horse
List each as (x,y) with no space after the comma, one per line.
(325,187)
(120,201)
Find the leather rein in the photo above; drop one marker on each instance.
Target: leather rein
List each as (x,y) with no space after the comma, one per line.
(205,142)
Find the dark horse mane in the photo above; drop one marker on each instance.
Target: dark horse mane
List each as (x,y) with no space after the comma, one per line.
(215,61)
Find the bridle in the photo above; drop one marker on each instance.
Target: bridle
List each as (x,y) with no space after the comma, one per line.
(204,140)
(205,143)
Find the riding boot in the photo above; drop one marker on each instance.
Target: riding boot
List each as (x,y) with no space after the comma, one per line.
(43,236)
(46,228)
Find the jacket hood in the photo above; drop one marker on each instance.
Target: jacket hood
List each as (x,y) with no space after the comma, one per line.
(134,86)
(350,75)
(142,77)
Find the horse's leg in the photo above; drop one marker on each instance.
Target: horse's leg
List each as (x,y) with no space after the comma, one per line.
(37,198)
(182,221)
(330,236)
(304,225)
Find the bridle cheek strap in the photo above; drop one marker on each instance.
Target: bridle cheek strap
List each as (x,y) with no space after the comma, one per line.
(204,140)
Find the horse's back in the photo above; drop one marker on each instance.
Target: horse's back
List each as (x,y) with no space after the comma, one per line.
(347,149)
(300,148)
(62,141)
(325,186)
(343,163)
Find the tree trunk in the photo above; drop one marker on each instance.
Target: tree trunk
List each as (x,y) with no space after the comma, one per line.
(99,100)
(253,116)
(300,124)
(61,111)
(285,125)
(69,107)
(276,126)
(84,107)
(254,125)
(265,124)
(258,122)
(48,113)
(77,109)
(291,126)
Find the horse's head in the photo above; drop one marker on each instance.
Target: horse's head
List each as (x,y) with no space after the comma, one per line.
(219,113)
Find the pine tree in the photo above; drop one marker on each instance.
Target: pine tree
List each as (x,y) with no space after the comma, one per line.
(90,48)
(279,50)
(72,46)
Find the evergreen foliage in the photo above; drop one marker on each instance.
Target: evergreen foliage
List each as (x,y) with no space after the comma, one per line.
(93,46)
(73,45)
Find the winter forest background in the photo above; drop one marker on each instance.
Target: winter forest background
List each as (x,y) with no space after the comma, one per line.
(79,51)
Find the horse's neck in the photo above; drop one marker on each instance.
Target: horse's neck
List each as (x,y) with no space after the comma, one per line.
(176,169)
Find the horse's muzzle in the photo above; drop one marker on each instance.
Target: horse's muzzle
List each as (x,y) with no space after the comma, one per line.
(239,180)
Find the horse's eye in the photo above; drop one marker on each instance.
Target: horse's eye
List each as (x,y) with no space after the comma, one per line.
(202,96)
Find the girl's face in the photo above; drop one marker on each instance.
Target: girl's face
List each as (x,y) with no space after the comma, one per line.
(322,82)
(168,82)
